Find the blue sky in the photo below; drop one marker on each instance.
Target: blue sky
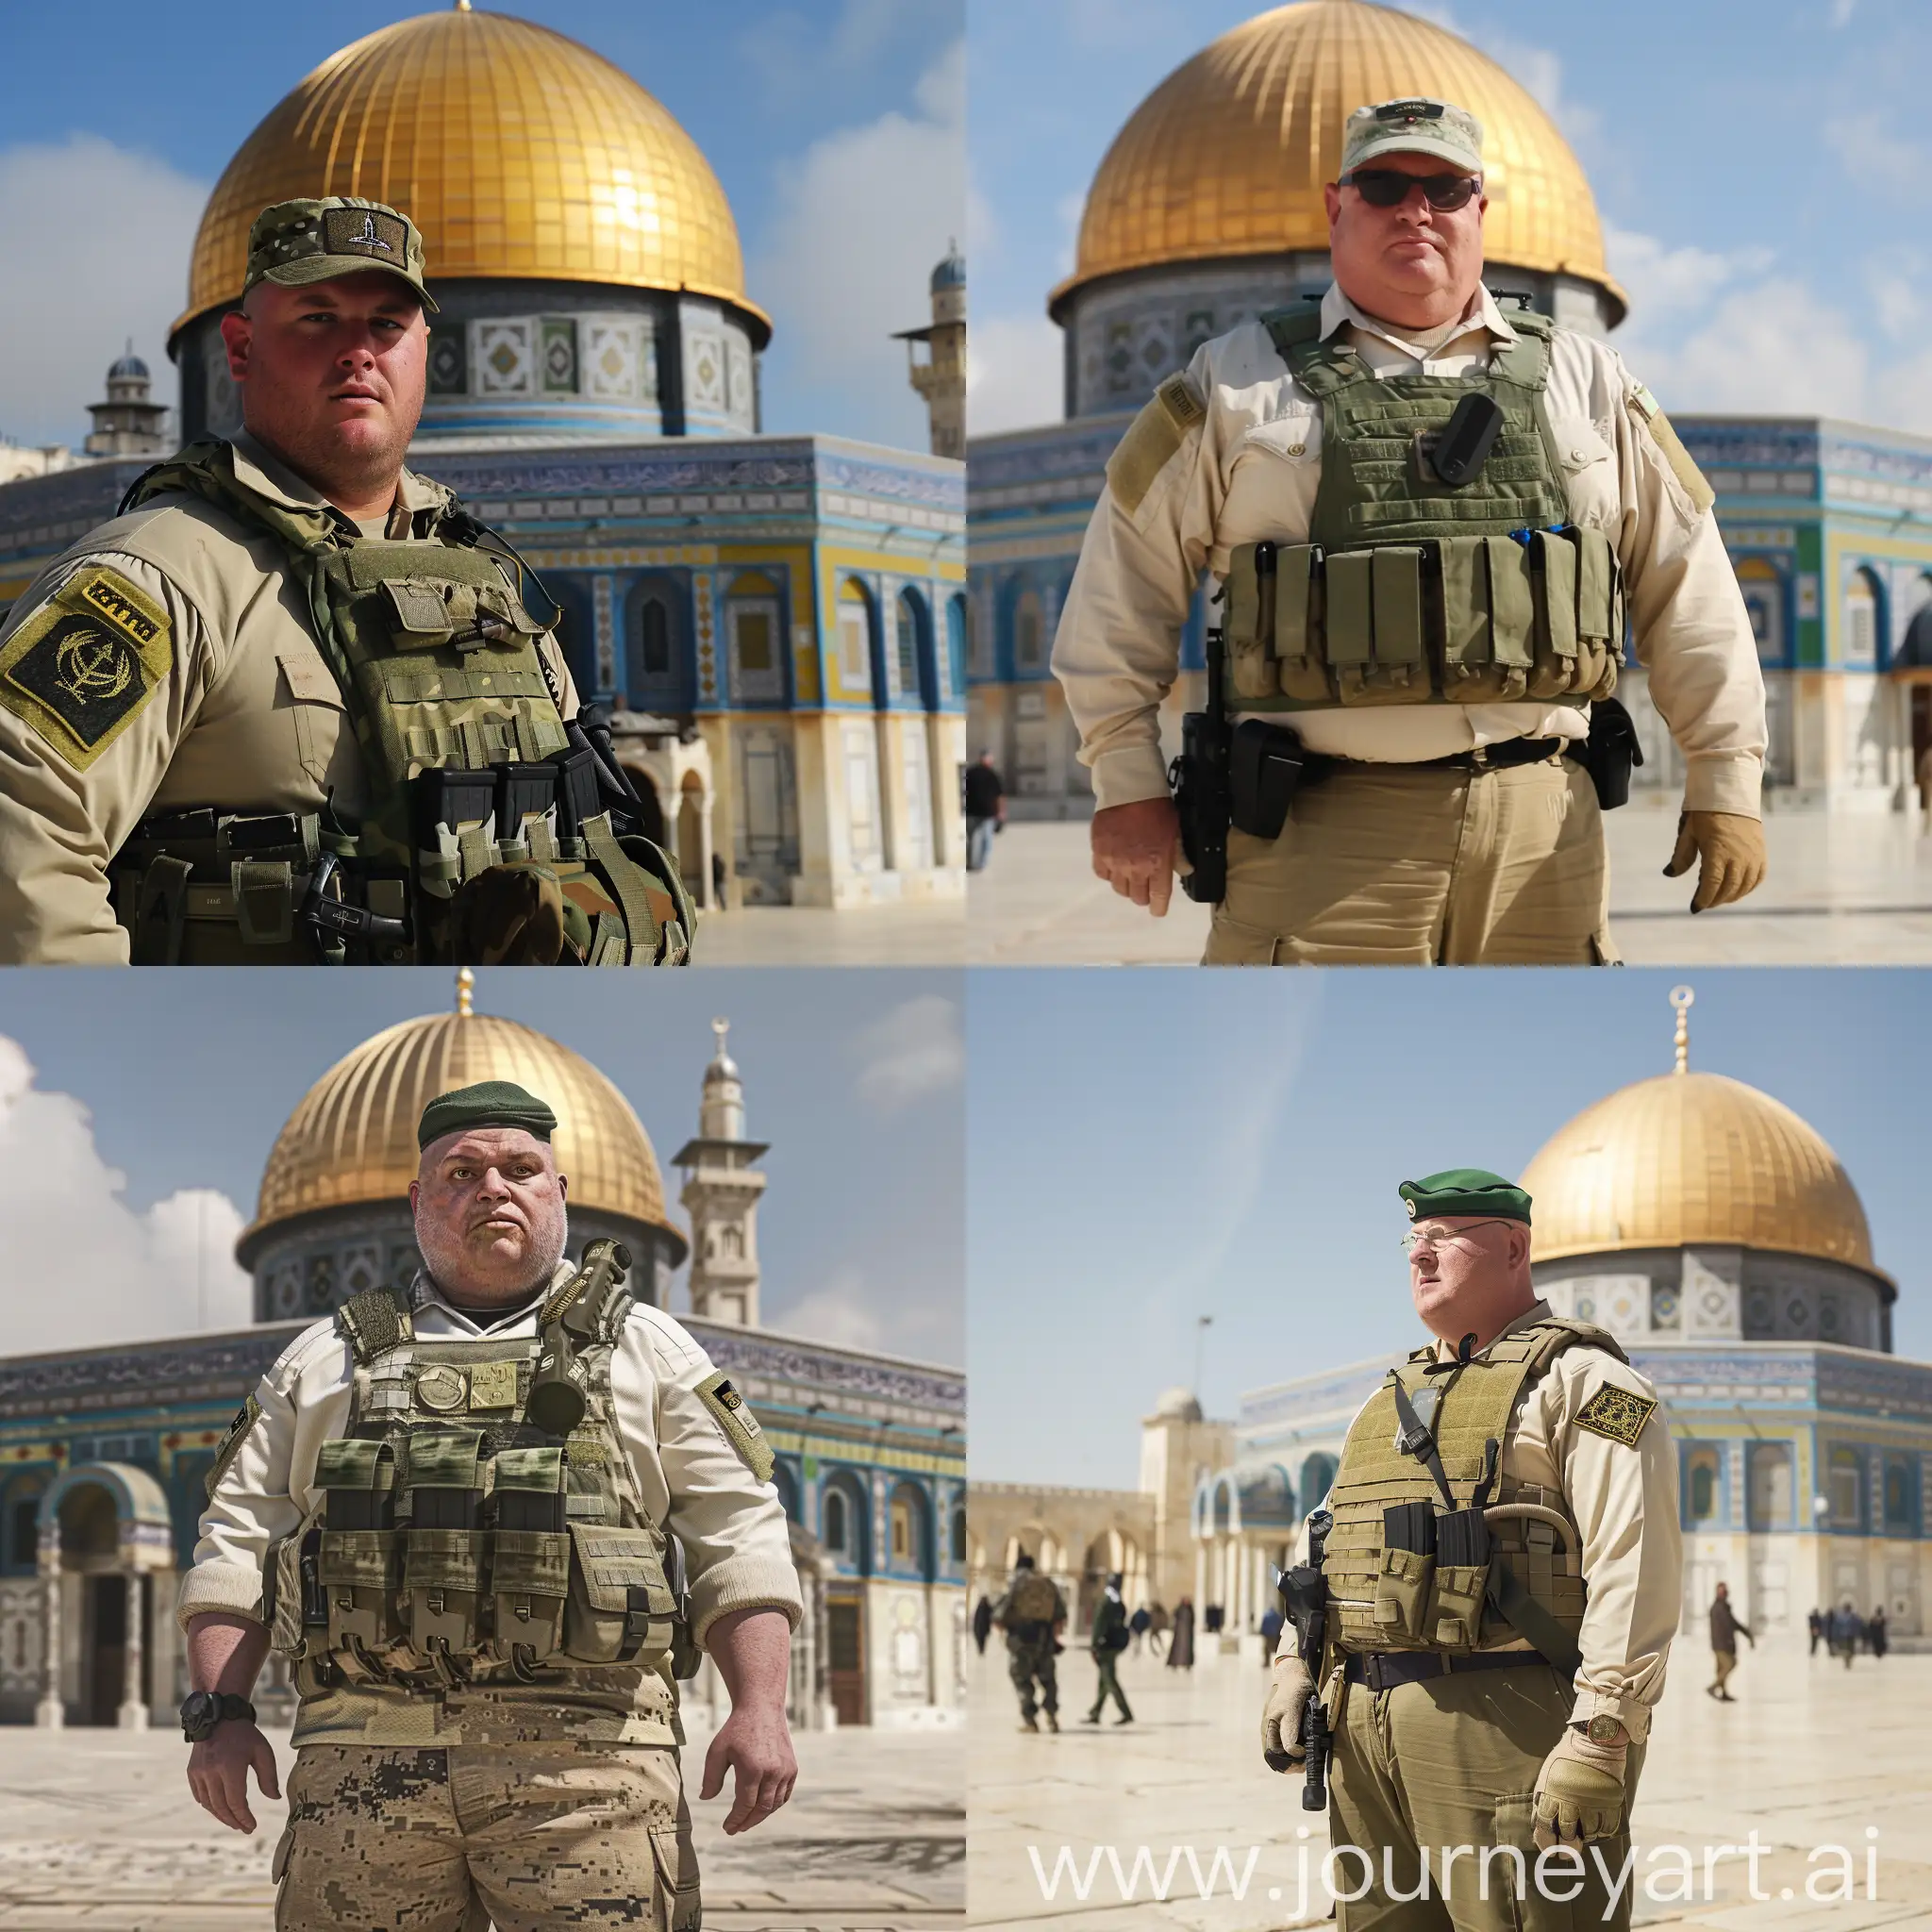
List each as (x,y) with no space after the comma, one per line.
(140,1137)
(833,125)
(1140,1154)
(1759,168)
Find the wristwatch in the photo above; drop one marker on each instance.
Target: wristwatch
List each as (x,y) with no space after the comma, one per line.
(1605,1729)
(202,1710)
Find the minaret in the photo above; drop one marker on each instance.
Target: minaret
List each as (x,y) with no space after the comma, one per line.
(127,423)
(721,1195)
(941,377)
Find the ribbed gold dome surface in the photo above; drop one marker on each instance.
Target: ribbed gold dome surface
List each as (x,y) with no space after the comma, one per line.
(1228,155)
(353,1138)
(1694,1158)
(517,152)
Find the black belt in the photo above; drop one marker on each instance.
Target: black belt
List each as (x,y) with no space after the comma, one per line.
(1485,757)
(1384,1669)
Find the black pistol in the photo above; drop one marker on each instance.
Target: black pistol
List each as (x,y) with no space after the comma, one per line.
(1304,1603)
(1201,796)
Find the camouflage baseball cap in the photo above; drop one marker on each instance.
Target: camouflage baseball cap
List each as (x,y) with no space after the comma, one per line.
(1415,125)
(296,242)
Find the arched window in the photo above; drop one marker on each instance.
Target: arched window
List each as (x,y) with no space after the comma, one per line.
(911,1544)
(1764,602)
(1901,1497)
(1703,1491)
(754,629)
(658,668)
(902,1530)
(854,619)
(1029,635)
(910,646)
(1862,643)
(1847,1487)
(845,1521)
(838,1524)
(23,1525)
(958,1540)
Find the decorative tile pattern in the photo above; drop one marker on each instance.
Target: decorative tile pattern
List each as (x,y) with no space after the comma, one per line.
(613,353)
(503,356)
(449,360)
(738,373)
(560,356)
(704,370)
(704,611)
(605,633)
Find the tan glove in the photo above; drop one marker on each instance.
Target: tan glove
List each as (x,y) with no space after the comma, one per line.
(1281,1719)
(1580,1791)
(509,915)
(1729,849)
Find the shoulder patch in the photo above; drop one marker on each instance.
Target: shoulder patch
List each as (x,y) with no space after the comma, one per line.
(739,1425)
(81,667)
(1617,1415)
(1151,440)
(1644,406)
(231,1444)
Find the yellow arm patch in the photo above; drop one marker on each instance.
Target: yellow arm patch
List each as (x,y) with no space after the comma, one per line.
(739,1425)
(1645,407)
(1151,440)
(82,666)
(1616,1414)
(231,1444)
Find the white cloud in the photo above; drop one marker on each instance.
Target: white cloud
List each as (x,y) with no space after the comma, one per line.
(859,220)
(910,1053)
(1842,11)
(90,1268)
(1013,373)
(836,1313)
(97,239)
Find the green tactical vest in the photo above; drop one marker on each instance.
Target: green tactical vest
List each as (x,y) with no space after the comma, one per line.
(457,1543)
(436,658)
(1409,591)
(1384,1599)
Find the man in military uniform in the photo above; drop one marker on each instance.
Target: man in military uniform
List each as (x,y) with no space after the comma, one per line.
(1033,1613)
(1503,1578)
(1109,1637)
(449,1509)
(292,705)
(1417,618)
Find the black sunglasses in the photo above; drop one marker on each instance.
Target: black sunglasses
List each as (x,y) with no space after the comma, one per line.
(1389,187)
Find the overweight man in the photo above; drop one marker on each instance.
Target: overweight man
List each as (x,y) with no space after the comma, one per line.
(1503,1581)
(471,1582)
(1426,520)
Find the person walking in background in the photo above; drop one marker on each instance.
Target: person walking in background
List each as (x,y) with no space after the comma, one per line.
(1110,1637)
(1180,1653)
(982,1621)
(1212,1619)
(1725,1632)
(1158,1626)
(1033,1613)
(986,811)
(1271,1636)
(1841,1632)
(1875,1632)
(1815,1622)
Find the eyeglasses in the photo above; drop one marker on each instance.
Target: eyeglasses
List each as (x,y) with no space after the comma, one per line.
(1389,188)
(1436,1236)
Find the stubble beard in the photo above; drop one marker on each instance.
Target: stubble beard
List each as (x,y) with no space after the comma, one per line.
(452,1265)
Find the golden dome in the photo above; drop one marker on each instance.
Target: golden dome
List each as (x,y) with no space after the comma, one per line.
(517,152)
(1228,155)
(1693,1159)
(353,1138)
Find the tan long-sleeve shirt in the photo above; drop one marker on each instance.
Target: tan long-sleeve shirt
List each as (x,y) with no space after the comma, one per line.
(1624,1500)
(1249,469)
(692,1483)
(244,715)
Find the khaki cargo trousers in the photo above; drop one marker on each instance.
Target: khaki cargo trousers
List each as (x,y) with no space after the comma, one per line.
(1451,1762)
(524,1837)
(1394,865)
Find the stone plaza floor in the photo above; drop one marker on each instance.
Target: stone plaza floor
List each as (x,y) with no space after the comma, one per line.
(932,933)
(1810,1755)
(1841,890)
(97,1829)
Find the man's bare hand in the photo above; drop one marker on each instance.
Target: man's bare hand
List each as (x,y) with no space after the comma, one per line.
(218,1768)
(1729,851)
(756,1743)
(1134,848)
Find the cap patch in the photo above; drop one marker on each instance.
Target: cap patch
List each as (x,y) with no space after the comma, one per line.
(364,231)
(1616,1414)
(82,665)
(1409,111)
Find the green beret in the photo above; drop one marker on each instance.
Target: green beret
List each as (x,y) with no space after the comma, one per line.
(489,1104)
(1465,1190)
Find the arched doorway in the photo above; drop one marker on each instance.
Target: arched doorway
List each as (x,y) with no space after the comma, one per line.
(658,660)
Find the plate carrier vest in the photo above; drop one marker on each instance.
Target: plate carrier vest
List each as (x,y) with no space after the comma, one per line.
(1410,591)
(457,1543)
(436,658)
(1384,1599)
